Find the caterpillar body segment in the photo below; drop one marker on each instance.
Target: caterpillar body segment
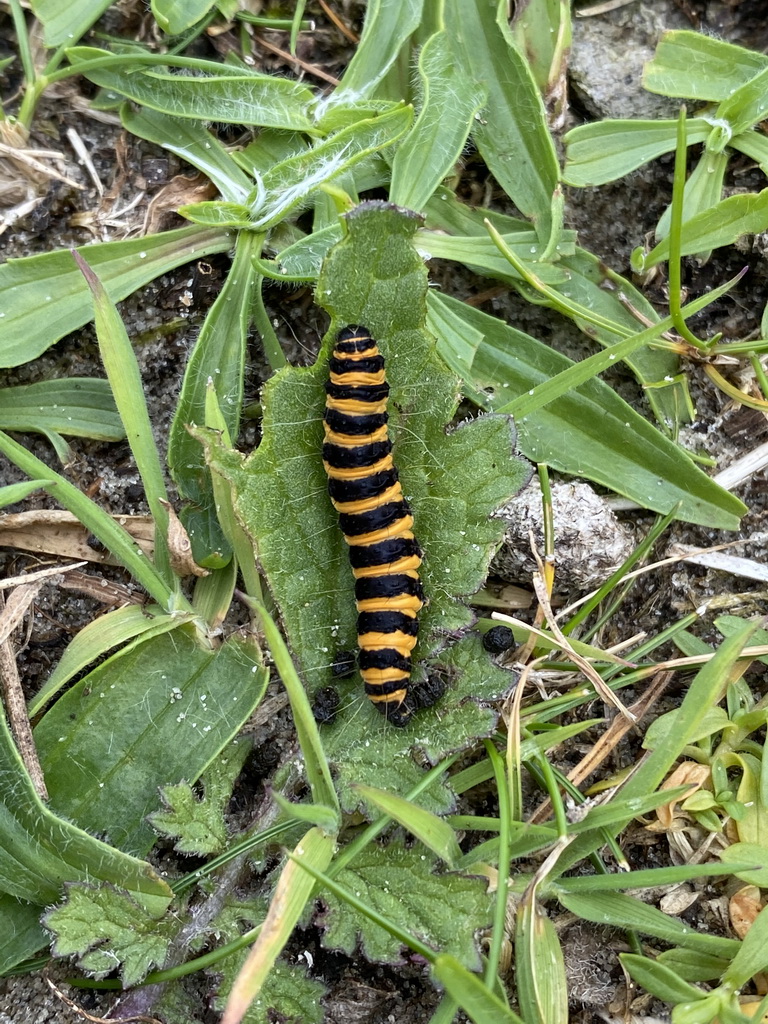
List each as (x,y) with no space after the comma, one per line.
(375,519)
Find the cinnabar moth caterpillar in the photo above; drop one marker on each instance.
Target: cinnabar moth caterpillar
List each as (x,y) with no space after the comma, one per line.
(374,518)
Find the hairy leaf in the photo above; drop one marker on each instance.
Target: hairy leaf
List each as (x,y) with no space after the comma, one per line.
(450,101)
(224,93)
(197,823)
(21,933)
(105,927)
(400,884)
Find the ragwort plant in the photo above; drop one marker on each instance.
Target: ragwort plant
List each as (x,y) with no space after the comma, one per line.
(163,711)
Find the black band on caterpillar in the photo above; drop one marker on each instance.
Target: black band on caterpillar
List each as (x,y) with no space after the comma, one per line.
(375,519)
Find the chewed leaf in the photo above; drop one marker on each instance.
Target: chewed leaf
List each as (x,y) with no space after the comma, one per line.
(453,479)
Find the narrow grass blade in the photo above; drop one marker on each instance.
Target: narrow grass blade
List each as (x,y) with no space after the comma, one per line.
(294,890)
(542,987)
(125,380)
(219,357)
(703,693)
(318,772)
(14,493)
(99,523)
(480,1004)
(629,456)
(623,911)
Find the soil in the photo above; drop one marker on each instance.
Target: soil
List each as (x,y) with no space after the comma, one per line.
(606,61)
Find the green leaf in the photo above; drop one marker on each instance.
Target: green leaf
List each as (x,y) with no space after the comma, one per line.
(218,214)
(435,833)
(157,712)
(542,31)
(580,281)
(219,92)
(754,146)
(94,640)
(481,1005)
(660,980)
(752,955)
(176,16)
(691,965)
(44,297)
(542,987)
(483,257)
(623,911)
(21,934)
(597,153)
(702,190)
(294,890)
(747,105)
(14,493)
(119,542)
(704,692)
(399,883)
(512,136)
(40,851)
(288,993)
(121,365)
(75,406)
(699,66)
(288,184)
(720,225)
(388,25)
(748,853)
(104,928)
(192,142)
(450,100)
(454,480)
(219,356)
(66,23)
(197,823)
(629,456)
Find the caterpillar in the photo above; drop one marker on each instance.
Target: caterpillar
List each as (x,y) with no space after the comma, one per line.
(375,519)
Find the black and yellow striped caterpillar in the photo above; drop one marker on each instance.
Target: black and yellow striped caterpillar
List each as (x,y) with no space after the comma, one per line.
(374,518)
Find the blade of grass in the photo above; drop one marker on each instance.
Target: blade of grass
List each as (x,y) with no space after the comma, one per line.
(117,540)
(122,369)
